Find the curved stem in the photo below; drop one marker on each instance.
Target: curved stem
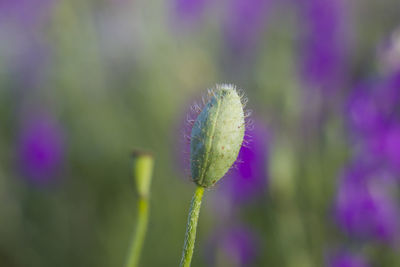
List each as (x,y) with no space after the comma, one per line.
(191,227)
(139,234)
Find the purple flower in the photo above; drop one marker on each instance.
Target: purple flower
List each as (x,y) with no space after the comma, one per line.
(364,207)
(389,93)
(374,120)
(248,180)
(325,43)
(236,246)
(26,13)
(392,147)
(245,21)
(189,10)
(345,259)
(363,110)
(41,148)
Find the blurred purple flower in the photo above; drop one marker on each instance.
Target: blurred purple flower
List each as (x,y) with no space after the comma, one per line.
(363,111)
(325,43)
(392,147)
(189,10)
(345,259)
(238,246)
(364,207)
(41,148)
(245,21)
(27,13)
(248,180)
(372,115)
(389,93)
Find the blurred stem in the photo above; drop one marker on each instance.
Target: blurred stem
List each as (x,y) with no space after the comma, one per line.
(142,168)
(140,233)
(191,227)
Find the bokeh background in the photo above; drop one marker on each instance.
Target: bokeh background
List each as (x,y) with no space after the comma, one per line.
(84,82)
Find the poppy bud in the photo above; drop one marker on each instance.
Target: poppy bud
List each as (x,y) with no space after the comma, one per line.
(217,136)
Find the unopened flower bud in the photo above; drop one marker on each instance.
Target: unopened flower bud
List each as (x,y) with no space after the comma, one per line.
(142,168)
(217,136)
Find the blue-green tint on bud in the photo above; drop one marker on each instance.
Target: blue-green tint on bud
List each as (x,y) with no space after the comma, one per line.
(142,169)
(217,136)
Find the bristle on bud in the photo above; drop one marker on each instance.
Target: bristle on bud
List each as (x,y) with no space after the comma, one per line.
(217,134)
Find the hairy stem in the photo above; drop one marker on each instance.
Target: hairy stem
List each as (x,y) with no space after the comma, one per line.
(139,234)
(191,227)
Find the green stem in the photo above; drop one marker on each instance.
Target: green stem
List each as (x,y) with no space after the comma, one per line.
(191,227)
(139,234)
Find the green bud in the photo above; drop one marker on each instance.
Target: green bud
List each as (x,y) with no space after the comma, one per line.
(142,168)
(217,136)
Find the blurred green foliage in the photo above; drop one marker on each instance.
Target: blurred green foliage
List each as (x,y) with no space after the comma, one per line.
(120,76)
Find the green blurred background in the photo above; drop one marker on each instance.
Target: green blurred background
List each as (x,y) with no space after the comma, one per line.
(119,74)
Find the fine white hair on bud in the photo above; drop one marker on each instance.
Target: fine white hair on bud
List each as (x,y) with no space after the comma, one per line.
(217,134)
